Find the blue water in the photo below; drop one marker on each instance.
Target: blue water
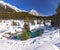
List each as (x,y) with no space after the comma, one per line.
(36,33)
(15,38)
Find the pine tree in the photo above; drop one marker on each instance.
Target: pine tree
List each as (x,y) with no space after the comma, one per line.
(56,17)
(25,32)
(58,9)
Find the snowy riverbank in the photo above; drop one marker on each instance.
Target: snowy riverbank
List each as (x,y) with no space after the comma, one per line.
(45,42)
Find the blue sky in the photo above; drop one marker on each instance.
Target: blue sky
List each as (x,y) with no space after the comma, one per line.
(44,7)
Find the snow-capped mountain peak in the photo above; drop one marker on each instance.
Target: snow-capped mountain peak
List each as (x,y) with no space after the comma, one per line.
(34,12)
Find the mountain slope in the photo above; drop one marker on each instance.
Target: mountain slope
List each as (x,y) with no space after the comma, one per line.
(8,11)
(8,7)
